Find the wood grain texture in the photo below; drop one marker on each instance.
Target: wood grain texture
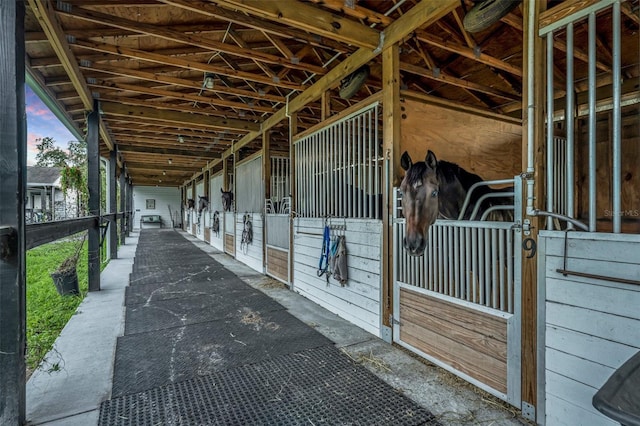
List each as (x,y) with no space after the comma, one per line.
(469,341)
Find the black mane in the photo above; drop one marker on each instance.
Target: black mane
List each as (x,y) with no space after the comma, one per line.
(449,172)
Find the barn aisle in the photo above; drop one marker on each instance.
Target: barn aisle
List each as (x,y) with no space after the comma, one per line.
(200,346)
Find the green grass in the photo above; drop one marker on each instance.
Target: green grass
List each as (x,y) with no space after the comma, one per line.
(47,311)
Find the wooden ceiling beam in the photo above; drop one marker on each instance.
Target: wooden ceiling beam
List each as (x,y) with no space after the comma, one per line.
(309,18)
(182,63)
(458,82)
(46,15)
(209,9)
(355,11)
(203,154)
(165,166)
(180,118)
(467,52)
(188,39)
(422,14)
(207,100)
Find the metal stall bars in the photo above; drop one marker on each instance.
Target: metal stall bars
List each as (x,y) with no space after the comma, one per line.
(338,168)
(277,211)
(554,155)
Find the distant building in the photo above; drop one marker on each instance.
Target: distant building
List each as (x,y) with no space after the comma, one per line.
(45,200)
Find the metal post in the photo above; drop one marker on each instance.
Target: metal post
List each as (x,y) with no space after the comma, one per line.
(13,142)
(129,206)
(551,187)
(113,228)
(592,122)
(616,174)
(93,181)
(570,121)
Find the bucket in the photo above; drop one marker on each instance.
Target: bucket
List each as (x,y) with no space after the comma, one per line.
(66,282)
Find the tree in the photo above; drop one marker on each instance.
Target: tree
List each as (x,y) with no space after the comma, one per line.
(50,155)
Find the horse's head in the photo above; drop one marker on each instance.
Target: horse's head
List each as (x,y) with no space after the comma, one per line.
(227,200)
(203,203)
(420,190)
(191,204)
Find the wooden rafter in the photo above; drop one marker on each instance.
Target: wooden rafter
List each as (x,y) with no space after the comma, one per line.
(309,18)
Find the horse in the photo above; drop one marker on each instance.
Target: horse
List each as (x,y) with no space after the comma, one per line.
(191,204)
(227,200)
(434,189)
(203,203)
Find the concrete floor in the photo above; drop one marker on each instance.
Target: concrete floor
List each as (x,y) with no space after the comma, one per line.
(76,376)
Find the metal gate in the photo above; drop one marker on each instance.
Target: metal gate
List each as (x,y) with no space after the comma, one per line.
(277,224)
(458,305)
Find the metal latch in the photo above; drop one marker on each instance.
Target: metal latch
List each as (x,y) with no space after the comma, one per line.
(393,321)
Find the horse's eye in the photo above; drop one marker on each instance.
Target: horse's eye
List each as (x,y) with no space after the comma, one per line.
(434,194)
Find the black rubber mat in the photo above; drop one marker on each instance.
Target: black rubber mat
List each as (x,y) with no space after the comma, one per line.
(147,360)
(148,293)
(204,307)
(319,386)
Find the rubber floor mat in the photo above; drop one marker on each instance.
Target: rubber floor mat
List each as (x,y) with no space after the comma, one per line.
(147,360)
(319,386)
(149,293)
(195,309)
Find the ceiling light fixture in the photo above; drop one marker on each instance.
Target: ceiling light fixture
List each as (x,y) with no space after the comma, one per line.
(180,139)
(208,80)
(169,160)
(164,173)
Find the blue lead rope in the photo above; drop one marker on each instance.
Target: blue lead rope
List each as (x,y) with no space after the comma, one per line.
(324,254)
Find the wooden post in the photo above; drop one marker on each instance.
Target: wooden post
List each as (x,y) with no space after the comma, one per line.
(129,206)
(93,183)
(391,143)
(113,228)
(13,145)
(530,265)
(325,112)
(123,208)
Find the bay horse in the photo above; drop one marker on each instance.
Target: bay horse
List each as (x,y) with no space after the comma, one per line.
(227,200)
(433,189)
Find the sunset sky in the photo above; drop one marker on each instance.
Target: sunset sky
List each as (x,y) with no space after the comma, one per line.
(42,123)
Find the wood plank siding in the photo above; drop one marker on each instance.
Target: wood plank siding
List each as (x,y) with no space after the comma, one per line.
(591,326)
(464,338)
(278,263)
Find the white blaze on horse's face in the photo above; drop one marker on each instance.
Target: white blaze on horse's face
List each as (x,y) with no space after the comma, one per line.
(419,201)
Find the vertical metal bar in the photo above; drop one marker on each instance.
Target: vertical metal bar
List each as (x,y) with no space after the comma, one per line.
(488,267)
(495,267)
(93,184)
(13,143)
(617,122)
(592,122)
(570,122)
(551,187)
(502,265)
(473,271)
(481,264)
(370,165)
(378,170)
(456,262)
(450,261)
(510,275)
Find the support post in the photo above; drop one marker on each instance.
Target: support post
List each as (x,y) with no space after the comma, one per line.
(13,142)
(533,121)
(113,225)
(266,177)
(93,183)
(391,143)
(129,206)
(123,206)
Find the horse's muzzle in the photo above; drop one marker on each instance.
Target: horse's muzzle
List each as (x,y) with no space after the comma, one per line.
(415,246)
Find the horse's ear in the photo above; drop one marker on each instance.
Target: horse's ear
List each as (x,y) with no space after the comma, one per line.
(431,160)
(221,191)
(405,161)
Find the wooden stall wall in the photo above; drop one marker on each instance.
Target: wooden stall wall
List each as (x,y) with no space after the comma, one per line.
(215,205)
(592,326)
(199,219)
(630,169)
(249,203)
(359,300)
(487,146)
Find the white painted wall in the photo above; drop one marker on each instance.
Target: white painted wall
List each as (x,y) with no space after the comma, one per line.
(589,327)
(215,204)
(250,254)
(163,196)
(359,301)
(201,218)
